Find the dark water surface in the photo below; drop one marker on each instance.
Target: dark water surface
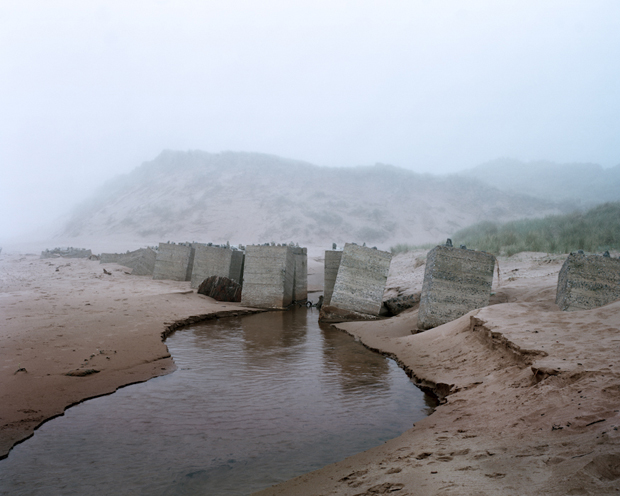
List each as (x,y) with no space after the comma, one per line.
(256,400)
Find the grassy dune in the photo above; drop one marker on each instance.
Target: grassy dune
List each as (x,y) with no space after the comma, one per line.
(595,230)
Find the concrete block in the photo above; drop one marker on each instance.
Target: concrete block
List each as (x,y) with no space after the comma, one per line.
(216,261)
(456,281)
(300,288)
(141,261)
(174,262)
(361,279)
(332,264)
(588,281)
(268,276)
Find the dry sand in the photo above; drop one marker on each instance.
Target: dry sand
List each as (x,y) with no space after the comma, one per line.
(531,395)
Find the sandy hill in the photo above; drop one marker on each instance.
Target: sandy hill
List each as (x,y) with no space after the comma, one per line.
(251,198)
(582,185)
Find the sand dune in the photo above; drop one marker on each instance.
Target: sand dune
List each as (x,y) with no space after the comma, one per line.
(255,198)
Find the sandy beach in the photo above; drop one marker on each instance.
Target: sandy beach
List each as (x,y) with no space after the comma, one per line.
(530,396)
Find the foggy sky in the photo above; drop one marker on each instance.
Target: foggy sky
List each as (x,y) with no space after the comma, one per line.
(92,89)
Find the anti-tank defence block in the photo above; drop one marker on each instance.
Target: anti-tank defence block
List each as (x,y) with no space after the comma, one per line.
(588,281)
(300,289)
(141,261)
(216,261)
(332,264)
(268,276)
(174,262)
(456,281)
(361,279)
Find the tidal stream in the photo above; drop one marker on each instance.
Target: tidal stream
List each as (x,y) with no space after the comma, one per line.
(256,400)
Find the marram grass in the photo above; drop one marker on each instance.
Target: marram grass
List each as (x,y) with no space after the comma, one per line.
(596,230)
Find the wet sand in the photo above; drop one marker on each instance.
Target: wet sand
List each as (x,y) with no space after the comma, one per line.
(531,397)
(67,315)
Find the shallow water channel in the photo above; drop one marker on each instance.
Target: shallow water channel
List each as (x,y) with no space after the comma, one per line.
(256,400)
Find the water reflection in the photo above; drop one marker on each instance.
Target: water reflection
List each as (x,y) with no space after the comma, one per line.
(255,401)
(355,368)
(275,332)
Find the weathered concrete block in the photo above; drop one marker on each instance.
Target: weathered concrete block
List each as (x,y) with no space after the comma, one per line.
(216,261)
(361,279)
(300,288)
(174,262)
(332,264)
(220,289)
(141,261)
(456,281)
(268,276)
(588,281)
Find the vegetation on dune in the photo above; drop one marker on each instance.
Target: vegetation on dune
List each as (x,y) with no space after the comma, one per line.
(405,248)
(595,230)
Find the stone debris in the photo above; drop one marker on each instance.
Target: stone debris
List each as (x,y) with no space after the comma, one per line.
(141,261)
(456,281)
(174,262)
(588,281)
(69,252)
(210,260)
(399,304)
(221,289)
(360,282)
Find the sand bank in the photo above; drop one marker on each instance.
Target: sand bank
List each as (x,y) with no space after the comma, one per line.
(60,316)
(530,397)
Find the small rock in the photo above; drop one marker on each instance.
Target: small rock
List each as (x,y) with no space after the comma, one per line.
(82,372)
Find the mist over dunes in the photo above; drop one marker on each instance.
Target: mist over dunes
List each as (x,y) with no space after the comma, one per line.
(582,184)
(256,198)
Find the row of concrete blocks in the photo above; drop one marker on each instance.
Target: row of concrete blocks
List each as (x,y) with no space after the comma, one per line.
(271,276)
(457,281)
(182,262)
